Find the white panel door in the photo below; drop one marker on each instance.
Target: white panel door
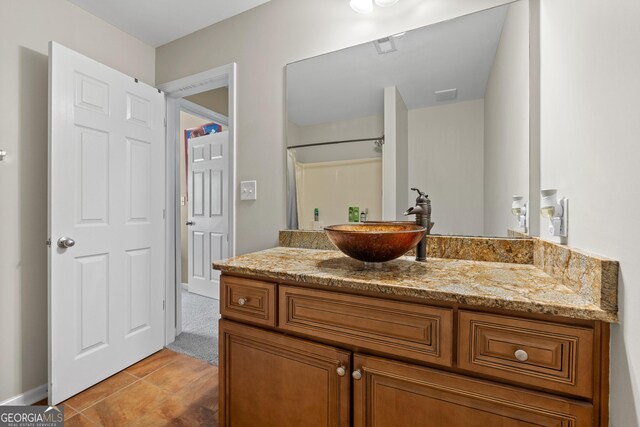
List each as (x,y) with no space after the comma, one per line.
(106,193)
(208,210)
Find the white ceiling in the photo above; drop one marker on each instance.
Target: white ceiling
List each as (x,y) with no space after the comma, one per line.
(157,22)
(349,83)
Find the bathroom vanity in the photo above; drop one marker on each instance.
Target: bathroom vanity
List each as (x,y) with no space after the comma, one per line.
(310,337)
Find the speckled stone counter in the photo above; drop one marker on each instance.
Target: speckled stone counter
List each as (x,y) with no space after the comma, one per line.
(513,286)
(511,250)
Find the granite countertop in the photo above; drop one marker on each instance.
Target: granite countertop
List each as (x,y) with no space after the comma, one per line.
(520,287)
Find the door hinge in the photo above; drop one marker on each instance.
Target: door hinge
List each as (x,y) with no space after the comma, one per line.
(165,122)
(163,305)
(49,242)
(164,213)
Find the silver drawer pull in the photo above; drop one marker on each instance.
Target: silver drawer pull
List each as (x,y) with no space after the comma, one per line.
(242,301)
(341,371)
(521,355)
(356,374)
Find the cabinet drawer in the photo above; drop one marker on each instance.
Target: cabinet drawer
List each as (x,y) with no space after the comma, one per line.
(249,300)
(397,328)
(549,355)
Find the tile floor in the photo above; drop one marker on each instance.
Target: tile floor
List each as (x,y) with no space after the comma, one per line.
(166,388)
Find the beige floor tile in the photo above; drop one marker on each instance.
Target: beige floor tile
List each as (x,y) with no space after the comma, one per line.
(176,412)
(78,420)
(203,391)
(68,412)
(100,391)
(126,406)
(177,375)
(154,362)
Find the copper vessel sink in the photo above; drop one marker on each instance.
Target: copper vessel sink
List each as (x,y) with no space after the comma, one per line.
(375,241)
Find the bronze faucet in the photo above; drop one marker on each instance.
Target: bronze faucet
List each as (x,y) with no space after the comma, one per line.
(422,211)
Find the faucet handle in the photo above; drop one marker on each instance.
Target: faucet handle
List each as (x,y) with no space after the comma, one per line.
(422,198)
(418,190)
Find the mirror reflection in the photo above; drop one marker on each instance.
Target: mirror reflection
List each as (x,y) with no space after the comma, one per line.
(444,108)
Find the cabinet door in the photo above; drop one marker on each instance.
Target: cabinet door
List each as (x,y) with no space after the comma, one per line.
(268,379)
(396,394)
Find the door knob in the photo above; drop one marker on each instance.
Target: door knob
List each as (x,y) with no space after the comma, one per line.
(341,371)
(191,223)
(66,242)
(356,374)
(242,301)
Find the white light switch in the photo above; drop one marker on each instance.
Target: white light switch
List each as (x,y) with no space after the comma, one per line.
(248,190)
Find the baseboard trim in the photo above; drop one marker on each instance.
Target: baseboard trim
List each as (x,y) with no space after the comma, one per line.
(184,286)
(29,397)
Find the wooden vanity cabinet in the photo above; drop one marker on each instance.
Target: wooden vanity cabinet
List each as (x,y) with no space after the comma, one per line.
(271,380)
(390,394)
(327,358)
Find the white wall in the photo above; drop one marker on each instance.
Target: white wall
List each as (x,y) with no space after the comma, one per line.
(590,143)
(262,41)
(446,161)
(26,26)
(402,158)
(395,152)
(506,123)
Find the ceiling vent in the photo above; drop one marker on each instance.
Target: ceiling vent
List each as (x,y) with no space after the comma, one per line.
(446,95)
(385,45)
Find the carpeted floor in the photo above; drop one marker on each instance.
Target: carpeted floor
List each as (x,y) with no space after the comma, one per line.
(199,337)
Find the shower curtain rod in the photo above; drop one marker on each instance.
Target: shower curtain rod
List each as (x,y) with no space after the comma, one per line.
(381,139)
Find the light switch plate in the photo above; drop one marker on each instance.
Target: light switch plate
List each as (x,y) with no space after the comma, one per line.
(248,190)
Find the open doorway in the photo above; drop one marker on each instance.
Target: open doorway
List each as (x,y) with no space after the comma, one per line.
(203,125)
(200,201)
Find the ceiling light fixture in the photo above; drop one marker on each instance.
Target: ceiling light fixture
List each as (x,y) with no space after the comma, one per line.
(386,3)
(366,6)
(362,6)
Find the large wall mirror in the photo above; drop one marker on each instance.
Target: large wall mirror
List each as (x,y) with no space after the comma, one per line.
(444,108)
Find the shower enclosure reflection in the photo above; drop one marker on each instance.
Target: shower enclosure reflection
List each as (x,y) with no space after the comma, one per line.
(334,182)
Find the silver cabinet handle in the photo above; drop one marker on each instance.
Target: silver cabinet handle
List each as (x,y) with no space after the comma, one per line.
(66,242)
(521,355)
(341,371)
(190,223)
(356,374)
(242,301)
